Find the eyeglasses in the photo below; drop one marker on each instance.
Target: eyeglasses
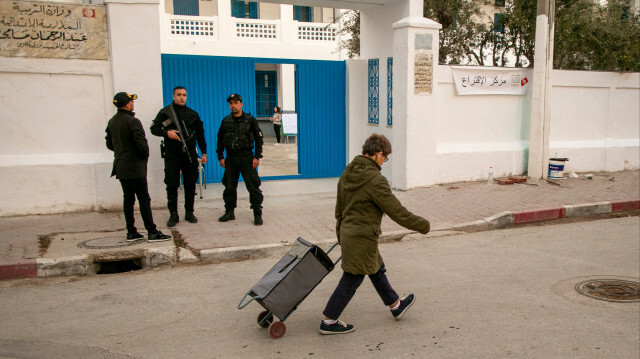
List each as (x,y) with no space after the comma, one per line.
(386,158)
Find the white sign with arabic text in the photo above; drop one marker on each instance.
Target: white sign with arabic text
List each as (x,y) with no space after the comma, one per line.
(492,80)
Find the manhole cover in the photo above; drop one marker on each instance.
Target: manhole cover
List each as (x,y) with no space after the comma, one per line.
(106,243)
(612,290)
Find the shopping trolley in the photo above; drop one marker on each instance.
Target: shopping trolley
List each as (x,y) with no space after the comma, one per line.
(288,283)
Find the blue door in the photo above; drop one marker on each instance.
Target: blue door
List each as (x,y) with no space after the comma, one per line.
(266,93)
(320,103)
(244,9)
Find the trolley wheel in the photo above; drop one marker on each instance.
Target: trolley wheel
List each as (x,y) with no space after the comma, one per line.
(266,322)
(277,330)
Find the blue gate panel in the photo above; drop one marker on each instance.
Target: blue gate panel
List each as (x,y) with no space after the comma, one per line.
(322,118)
(209,80)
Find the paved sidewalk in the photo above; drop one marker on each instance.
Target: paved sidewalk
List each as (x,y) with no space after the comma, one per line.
(297,208)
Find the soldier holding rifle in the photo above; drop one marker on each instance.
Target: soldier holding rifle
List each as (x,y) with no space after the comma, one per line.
(181,128)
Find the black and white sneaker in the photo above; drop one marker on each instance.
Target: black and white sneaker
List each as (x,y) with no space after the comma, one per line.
(338,327)
(132,237)
(158,237)
(405,303)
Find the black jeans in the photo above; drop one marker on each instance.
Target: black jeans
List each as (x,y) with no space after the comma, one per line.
(235,164)
(172,168)
(132,188)
(276,128)
(348,285)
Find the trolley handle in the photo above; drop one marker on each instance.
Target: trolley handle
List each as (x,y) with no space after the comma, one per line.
(329,251)
(240,305)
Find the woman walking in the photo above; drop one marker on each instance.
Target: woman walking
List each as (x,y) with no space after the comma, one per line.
(364,196)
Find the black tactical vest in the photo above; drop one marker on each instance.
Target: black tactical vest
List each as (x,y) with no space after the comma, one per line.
(237,133)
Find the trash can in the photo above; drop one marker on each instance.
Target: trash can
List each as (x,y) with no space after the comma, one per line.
(556,167)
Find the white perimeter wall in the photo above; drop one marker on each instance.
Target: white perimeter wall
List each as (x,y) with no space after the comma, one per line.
(595,122)
(53,156)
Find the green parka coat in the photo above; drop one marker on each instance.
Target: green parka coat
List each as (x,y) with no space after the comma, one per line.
(364,196)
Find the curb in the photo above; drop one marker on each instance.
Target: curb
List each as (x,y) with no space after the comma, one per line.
(153,257)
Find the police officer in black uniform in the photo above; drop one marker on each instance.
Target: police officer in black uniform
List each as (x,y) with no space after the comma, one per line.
(241,137)
(178,157)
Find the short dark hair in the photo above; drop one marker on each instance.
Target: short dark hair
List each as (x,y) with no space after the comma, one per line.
(376,143)
(178,88)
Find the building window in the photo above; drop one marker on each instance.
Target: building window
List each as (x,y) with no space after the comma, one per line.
(244,9)
(498,22)
(499,3)
(266,93)
(303,13)
(625,13)
(390,91)
(374,92)
(186,7)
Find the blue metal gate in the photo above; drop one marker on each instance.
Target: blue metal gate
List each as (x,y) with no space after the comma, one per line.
(320,102)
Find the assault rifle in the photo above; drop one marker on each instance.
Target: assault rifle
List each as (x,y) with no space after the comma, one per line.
(175,120)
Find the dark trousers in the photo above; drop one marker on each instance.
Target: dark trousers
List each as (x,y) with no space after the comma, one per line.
(241,163)
(172,168)
(132,188)
(276,128)
(348,285)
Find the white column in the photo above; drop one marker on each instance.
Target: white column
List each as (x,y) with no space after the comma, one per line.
(226,24)
(540,111)
(287,87)
(288,30)
(414,119)
(134,41)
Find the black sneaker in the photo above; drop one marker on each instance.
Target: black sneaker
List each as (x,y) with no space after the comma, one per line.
(158,237)
(173,219)
(257,219)
(132,237)
(227,216)
(338,327)
(405,303)
(189,217)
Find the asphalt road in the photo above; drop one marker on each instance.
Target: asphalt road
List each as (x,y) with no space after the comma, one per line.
(499,294)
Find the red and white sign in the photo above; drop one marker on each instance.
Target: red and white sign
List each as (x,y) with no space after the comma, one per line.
(88,13)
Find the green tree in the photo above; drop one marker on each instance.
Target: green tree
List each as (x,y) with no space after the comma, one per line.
(589,35)
(599,37)
(351,28)
(463,38)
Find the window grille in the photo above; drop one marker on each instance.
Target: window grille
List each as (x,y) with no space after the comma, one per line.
(256,31)
(374,92)
(390,91)
(192,27)
(316,33)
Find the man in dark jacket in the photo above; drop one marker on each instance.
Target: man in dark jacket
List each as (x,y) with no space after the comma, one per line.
(125,137)
(364,196)
(240,136)
(178,156)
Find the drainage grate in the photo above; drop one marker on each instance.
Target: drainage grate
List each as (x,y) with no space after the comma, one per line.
(612,290)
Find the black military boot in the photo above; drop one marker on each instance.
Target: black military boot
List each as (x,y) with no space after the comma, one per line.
(227,216)
(173,219)
(257,217)
(189,217)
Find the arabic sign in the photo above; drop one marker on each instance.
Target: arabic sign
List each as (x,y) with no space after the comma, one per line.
(492,80)
(54,30)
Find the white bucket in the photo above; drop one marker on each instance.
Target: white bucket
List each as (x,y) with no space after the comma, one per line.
(556,167)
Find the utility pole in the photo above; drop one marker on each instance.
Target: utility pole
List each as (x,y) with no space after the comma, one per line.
(540,106)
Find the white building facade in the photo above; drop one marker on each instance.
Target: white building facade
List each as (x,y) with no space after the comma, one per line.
(55,109)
